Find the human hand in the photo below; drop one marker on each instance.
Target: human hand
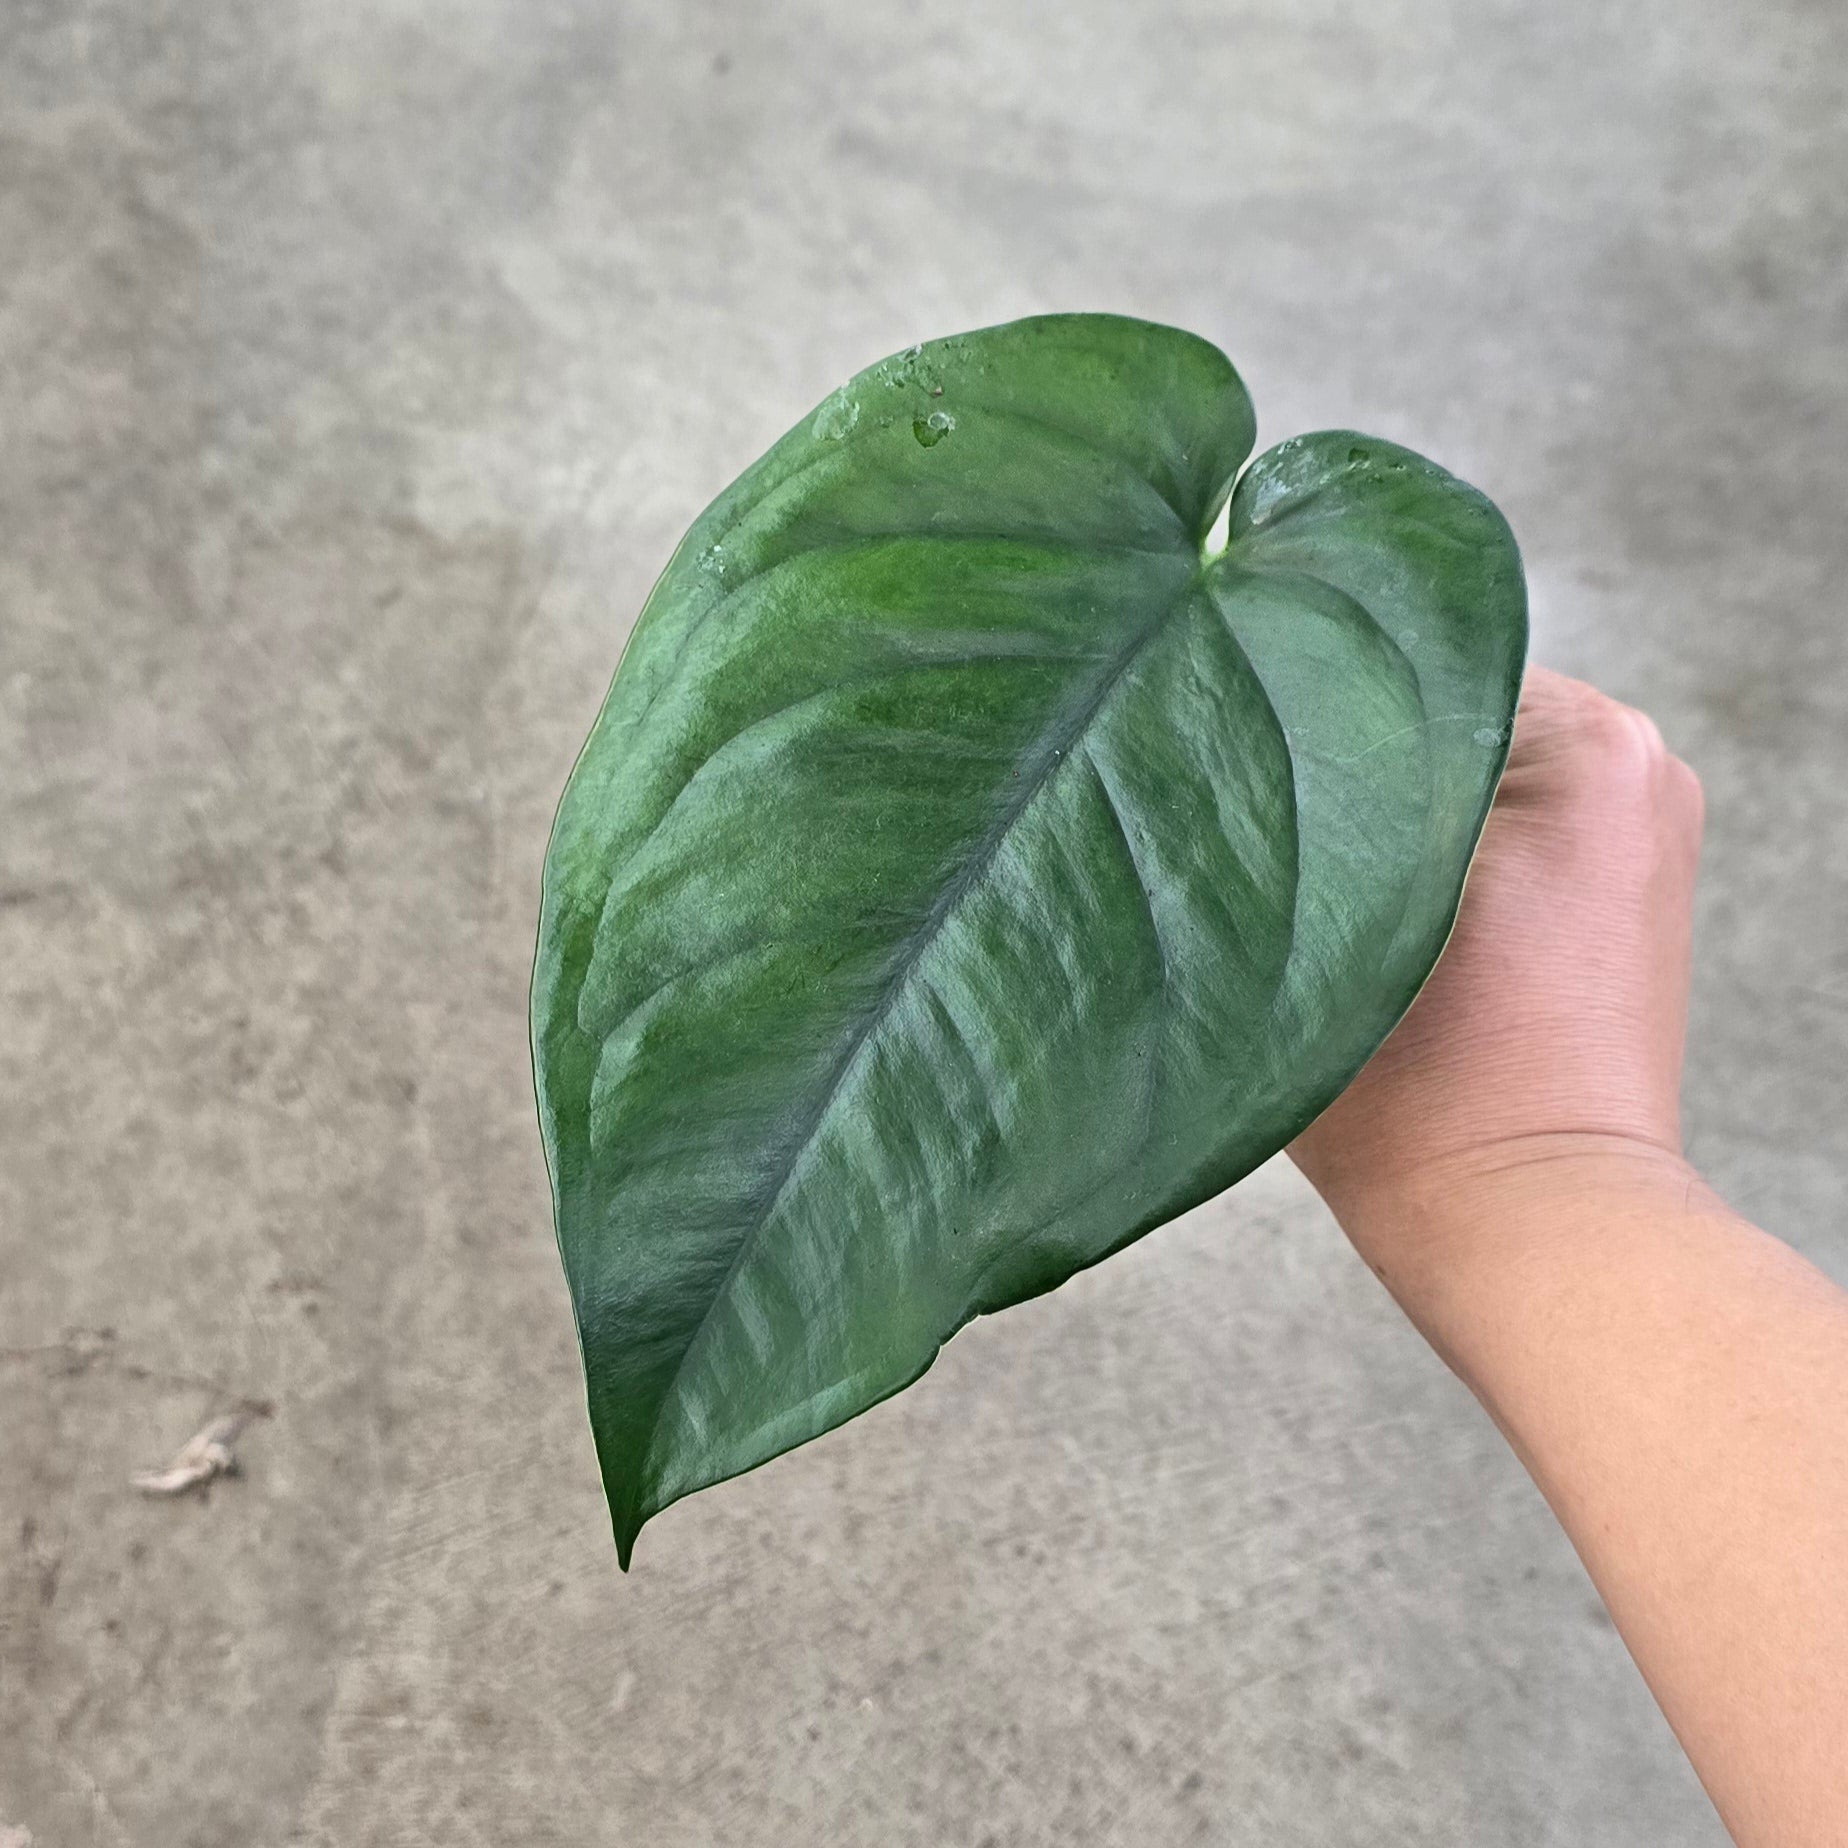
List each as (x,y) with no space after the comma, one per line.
(1675,1379)
(1552,1028)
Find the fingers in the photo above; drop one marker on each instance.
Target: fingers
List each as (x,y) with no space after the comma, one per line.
(1569,738)
(1690,807)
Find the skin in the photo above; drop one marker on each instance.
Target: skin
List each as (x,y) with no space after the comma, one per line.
(1674,1379)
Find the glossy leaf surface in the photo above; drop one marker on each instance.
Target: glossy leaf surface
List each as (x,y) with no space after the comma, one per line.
(969,870)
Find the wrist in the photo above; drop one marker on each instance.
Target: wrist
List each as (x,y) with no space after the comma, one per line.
(1456,1227)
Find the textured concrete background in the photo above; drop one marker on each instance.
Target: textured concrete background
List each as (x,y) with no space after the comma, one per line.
(360,362)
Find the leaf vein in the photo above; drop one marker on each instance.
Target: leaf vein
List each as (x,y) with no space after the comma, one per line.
(906,961)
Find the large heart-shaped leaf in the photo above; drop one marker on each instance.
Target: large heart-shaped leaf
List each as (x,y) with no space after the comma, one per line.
(972,867)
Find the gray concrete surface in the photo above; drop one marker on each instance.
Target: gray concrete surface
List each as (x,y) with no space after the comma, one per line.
(360,363)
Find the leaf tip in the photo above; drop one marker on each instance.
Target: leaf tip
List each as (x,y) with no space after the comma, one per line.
(626,1531)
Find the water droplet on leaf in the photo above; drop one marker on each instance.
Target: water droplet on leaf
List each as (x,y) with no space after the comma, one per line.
(838,415)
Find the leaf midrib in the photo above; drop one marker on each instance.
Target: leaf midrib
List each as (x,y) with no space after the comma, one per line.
(913,952)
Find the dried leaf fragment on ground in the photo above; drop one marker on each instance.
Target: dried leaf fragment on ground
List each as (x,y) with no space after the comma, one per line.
(207,1454)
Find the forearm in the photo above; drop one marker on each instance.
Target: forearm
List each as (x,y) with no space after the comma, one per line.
(1677,1383)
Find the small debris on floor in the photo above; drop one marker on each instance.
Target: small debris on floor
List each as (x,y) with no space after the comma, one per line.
(12,1836)
(209,1453)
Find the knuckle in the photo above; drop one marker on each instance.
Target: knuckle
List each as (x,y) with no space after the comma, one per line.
(1621,742)
(1648,733)
(1690,793)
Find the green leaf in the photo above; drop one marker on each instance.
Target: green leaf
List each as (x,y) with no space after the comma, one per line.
(970,869)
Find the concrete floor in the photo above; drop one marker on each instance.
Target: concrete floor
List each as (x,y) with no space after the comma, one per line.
(360,362)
